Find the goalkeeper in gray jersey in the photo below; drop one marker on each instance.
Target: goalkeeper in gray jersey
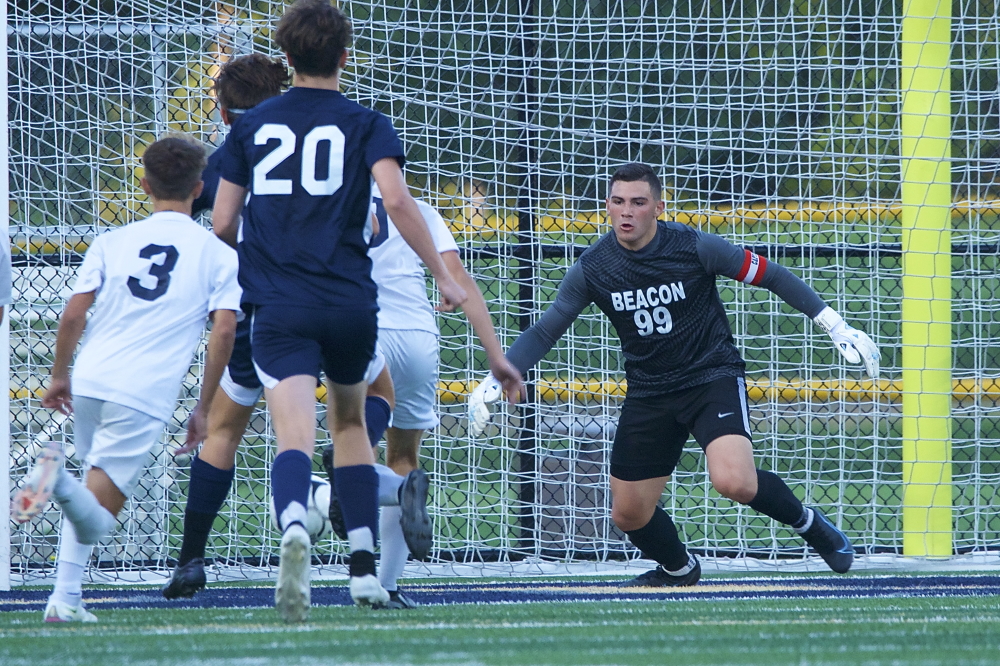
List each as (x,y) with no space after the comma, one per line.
(655,281)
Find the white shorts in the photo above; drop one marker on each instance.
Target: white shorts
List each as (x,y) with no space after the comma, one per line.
(116,438)
(241,395)
(412,357)
(376,365)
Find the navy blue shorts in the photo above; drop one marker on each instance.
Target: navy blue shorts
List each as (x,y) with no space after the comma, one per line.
(290,340)
(240,381)
(240,367)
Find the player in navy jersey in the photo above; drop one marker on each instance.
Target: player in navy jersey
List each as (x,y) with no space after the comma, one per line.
(655,281)
(242,84)
(306,159)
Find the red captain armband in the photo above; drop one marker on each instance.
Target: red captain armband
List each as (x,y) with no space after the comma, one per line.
(753,269)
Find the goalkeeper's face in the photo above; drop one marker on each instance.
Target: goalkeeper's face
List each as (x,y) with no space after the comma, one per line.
(633,211)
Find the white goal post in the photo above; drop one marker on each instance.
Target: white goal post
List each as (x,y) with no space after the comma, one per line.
(777,125)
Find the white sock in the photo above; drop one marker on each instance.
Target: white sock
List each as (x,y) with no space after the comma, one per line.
(71,563)
(388,486)
(686,568)
(361,538)
(91,521)
(392,559)
(809,521)
(293,513)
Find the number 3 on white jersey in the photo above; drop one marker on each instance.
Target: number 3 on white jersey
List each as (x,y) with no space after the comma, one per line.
(330,134)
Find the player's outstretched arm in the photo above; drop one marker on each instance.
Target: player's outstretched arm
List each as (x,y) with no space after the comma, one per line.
(478,313)
(72,322)
(403,210)
(533,344)
(720,257)
(217,353)
(229,200)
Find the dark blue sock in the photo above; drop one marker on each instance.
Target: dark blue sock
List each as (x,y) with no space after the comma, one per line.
(290,475)
(377,414)
(209,486)
(207,491)
(357,491)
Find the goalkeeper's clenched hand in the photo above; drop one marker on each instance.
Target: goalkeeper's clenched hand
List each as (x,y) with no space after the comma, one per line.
(854,345)
(503,378)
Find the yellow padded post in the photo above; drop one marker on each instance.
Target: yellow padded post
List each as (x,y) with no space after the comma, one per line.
(926,313)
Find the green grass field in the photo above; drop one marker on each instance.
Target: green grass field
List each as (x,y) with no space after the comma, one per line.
(871,631)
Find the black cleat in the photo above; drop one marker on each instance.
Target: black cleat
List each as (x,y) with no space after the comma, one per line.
(397,601)
(186,580)
(832,544)
(415,521)
(335,514)
(659,577)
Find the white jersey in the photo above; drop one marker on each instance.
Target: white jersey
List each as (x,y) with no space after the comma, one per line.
(399,273)
(157,281)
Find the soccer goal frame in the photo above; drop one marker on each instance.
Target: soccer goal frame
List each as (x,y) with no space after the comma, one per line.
(513,119)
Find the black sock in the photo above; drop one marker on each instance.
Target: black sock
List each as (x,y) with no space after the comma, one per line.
(207,491)
(775,499)
(658,541)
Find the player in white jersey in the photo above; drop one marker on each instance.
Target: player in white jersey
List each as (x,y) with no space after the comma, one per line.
(154,285)
(408,338)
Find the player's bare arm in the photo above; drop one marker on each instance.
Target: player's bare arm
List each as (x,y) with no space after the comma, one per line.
(226,214)
(482,323)
(217,353)
(71,325)
(405,214)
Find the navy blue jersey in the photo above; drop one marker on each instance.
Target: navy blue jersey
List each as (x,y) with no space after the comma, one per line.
(306,157)
(210,178)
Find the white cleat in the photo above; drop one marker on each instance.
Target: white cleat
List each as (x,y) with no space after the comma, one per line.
(33,496)
(56,611)
(367,591)
(292,594)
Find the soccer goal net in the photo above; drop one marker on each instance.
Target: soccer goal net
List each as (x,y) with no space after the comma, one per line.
(779,125)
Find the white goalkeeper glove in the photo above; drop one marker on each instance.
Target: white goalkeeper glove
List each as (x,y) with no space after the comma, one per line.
(854,345)
(485,394)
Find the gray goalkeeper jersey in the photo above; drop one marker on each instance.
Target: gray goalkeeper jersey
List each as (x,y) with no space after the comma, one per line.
(664,305)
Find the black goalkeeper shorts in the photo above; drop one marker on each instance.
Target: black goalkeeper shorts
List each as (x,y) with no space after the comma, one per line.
(652,431)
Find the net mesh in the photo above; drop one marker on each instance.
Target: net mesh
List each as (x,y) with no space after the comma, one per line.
(775,124)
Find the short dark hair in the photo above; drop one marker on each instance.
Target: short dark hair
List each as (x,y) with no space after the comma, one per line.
(634,171)
(245,82)
(173,166)
(314,34)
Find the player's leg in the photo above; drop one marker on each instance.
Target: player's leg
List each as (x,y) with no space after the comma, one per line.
(212,473)
(213,468)
(357,485)
(114,441)
(723,428)
(288,356)
(348,346)
(402,450)
(291,402)
(647,446)
(379,403)
(413,359)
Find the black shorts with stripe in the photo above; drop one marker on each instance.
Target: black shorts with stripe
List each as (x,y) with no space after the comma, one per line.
(652,431)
